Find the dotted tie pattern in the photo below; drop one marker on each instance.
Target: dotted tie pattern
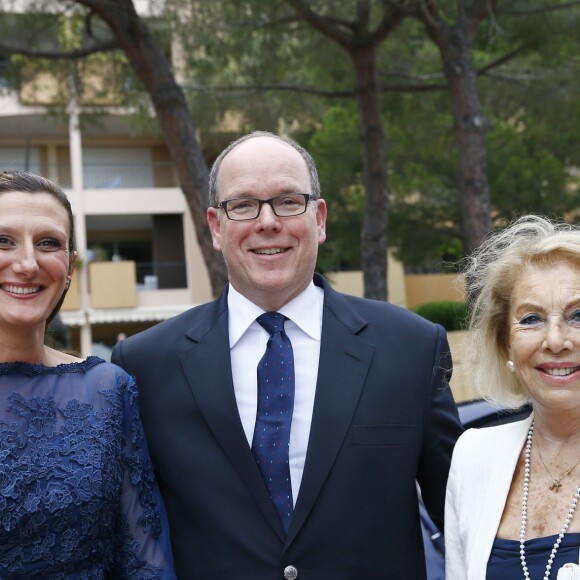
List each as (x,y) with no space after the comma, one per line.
(274,415)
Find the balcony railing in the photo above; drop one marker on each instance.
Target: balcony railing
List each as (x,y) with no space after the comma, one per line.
(161,275)
(105,175)
(115,284)
(109,175)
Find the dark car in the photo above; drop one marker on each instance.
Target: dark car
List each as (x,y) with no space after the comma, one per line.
(472,414)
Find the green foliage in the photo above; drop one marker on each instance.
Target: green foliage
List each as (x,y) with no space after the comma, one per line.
(236,53)
(526,175)
(100,79)
(532,108)
(450,315)
(424,215)
(336,151)
(232,49)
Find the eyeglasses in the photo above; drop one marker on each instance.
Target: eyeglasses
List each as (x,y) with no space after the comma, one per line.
(248,208)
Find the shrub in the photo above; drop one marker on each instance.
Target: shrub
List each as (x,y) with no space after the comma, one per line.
(450,315)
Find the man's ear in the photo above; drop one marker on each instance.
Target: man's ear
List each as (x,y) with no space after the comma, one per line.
(214,223)
(321,212)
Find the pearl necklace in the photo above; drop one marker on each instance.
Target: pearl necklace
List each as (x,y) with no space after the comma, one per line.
(564,529)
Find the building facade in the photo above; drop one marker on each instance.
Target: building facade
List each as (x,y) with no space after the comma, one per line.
(139,261)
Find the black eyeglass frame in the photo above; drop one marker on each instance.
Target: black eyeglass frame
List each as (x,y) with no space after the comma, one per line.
(224,205)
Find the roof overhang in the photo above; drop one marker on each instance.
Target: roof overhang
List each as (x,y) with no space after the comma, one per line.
(114,315)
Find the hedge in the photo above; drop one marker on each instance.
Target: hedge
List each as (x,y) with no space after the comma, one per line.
(449,314)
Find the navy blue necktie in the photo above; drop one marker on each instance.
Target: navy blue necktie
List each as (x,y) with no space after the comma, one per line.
(274,415)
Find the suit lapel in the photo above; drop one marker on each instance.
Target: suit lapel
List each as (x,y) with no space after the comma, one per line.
(207,368)
(344,362)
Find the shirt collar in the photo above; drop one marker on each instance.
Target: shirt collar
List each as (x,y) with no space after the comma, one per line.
(305,311)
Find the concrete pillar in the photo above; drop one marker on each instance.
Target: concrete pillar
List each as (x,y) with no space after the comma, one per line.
(76,160)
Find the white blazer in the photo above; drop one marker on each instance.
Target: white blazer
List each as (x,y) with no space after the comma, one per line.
(483,464)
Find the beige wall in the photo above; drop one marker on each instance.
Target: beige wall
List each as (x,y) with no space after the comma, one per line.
(460,382)
(43,88)
(72,300)
(405,290)
(113,284)
(352,282)
(163,172)
(422,288)
(100,85)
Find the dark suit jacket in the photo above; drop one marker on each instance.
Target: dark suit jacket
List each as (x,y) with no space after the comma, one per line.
(383,417)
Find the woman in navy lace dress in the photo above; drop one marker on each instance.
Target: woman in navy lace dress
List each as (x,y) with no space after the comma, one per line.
(78,498)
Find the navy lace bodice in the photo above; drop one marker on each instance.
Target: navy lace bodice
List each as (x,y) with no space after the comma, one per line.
(78,497)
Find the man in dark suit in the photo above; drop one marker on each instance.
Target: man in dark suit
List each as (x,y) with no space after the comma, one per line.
(365,404)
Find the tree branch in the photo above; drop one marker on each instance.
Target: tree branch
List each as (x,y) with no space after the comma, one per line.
(389,22)
(501,60)
(429,13)
(60,55)
(290,87)
(304,89)
(105,5)
(263,22)
(325,26)
(518,78)
(481,9)
(418,87)
(536,11)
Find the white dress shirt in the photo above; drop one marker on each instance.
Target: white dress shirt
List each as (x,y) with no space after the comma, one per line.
(247,346)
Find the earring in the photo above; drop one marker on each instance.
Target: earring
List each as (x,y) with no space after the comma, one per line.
(68,280)
(511,367)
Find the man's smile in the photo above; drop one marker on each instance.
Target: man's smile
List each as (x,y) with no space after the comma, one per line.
(269,251)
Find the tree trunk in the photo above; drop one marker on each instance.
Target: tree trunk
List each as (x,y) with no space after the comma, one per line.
(155,72)
(360,42)
(374,235)
(470,128)
(455,44)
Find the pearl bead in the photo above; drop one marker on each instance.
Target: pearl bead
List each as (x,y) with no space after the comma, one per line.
(527,461)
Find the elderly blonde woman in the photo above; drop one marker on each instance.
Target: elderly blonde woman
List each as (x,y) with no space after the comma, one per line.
(513,490)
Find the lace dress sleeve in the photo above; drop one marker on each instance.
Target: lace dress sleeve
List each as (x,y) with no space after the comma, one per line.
(143,549)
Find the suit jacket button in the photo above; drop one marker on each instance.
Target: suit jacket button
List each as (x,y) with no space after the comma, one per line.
(290,573)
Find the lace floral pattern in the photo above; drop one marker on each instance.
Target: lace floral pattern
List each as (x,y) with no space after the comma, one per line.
(78,497)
